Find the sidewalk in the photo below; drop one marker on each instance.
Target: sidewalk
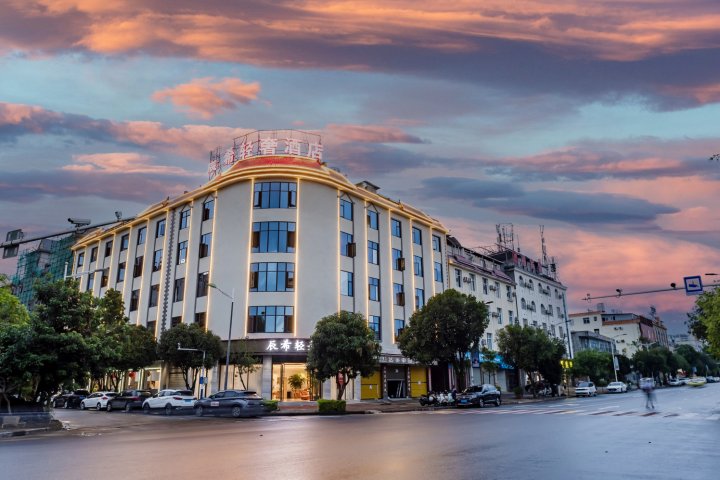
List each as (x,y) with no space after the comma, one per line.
(388,406)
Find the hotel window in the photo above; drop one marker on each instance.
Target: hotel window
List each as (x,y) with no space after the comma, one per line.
(398,260)
(417,266)
(272,277)
(108,248)
(419,298)
(154,295)
(347,247)
(175,321)
(124,242)
(121,272)
(458,278)
(157,260)
(399,294)
(151,325)
(202,284)
(559,313)
(205,241)
(525,322)
(511,318)
(104,278)
(141,235)
(184,218)
(160,228)
(90,282)
(275,195)
(399,326)
(372,219)
(346,209)
(374,324)
(80,260)
(273,237)
(552,330)
(523,305)
(436,243)
(93,254)
(182,252)
(373,252)
(472,282)
(137,267)
(179,290)
(488,341)
(560,332)
(485,285)
(208,210)
(346,284)
(499,316)
(396,228)
(270,319)
(508,293)
(586,320)
(497,289)
(374,289)
(134,298)
(417,236)
(438,272)
(200,319)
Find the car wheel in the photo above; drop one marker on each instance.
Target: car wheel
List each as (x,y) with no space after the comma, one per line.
(236,411)
(98,407)
(82,405)
(108,407)
(498,402)
(481,403)
(199,411)
(128,407)
(146,409)
(66,404)
(168,409)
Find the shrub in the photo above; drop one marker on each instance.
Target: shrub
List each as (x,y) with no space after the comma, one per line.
(329,407)
(518,391)
(270,405)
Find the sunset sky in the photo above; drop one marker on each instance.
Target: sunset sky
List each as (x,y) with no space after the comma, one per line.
(594,119)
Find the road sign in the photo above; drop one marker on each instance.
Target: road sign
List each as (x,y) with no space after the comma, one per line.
(616,366)
(693,285)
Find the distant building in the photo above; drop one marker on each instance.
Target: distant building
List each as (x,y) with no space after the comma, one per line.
(589,340)
(686,339)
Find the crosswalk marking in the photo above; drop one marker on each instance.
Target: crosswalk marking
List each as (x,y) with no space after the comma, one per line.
(547,411)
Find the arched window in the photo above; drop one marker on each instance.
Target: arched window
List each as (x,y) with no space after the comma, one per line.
(523,304)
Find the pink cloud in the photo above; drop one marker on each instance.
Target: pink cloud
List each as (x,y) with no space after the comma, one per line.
(124,163)
(344,133)
(204,97)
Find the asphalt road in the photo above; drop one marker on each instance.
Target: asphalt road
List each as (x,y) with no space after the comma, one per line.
(583,438)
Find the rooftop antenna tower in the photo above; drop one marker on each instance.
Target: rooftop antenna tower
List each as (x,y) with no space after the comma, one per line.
(505,236)
(548,263)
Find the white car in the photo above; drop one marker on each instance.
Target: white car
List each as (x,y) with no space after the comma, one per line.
(617,387)
(675,382)
(97,400)
(586,389)
(170,400)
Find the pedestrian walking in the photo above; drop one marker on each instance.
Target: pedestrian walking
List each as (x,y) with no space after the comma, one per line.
(647,387)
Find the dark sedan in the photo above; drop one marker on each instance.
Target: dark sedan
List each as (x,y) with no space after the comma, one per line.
(238,403)
(479,396)
(128,400)
(70,400)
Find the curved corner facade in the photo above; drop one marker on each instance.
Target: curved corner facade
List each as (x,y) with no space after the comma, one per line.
(288,241)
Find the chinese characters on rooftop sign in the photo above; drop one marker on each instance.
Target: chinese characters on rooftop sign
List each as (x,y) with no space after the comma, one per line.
(265,142)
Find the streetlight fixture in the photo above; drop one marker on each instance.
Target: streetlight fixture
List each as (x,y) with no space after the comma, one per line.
(203,380)
(229,338)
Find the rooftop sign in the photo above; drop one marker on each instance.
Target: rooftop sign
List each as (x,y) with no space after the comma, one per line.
(265,142)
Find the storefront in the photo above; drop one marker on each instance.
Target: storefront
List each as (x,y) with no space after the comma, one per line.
(401,377)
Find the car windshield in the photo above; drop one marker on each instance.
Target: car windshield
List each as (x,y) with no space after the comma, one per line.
(615,384)
(184,392)
(583,384)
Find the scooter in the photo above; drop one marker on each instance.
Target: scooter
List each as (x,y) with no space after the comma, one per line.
(428,400)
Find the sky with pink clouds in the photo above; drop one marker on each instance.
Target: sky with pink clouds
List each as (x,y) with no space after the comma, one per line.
(594,119)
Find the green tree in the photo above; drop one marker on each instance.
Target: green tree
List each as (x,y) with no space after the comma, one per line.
(20,361)
(11,309)
(190,336)
(444,330)
(489,365)
(343,347)
(650,362)
(708,316)
(594,364)
(532,350)
(245,362)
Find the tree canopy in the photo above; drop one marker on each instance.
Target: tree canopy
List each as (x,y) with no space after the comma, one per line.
(343,347)
(444,330)
(707,315)
(594,364)
(190,336)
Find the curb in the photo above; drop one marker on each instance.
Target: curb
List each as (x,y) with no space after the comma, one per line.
(24,432)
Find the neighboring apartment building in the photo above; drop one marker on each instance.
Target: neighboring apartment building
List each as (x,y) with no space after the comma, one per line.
(484,278)
(686,339)
(629,331)
(295,241)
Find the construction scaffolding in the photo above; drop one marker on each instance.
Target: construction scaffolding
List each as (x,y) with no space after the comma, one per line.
(47,260)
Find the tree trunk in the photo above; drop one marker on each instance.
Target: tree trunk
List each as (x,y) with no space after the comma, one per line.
(341,386)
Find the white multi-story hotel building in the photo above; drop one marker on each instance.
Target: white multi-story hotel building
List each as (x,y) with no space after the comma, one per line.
(291,241)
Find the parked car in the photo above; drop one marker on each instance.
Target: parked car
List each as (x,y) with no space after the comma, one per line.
(479,396)
(586,389)
(239,403)
(170,400)
(97,400)
(617,387)
(70,399)
(675,382)
(697,382)
(128,400)
(711,379)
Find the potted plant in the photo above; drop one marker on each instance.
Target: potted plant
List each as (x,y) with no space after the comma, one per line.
(518,391)
(296,382)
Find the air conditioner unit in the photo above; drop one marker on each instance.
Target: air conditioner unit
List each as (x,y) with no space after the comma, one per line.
(492,288)
(494,315)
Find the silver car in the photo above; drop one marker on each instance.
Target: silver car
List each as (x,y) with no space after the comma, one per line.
(585,389)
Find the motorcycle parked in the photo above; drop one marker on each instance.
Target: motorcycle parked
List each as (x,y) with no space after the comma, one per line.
(430,399)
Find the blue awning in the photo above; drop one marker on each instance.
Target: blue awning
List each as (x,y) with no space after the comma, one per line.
(480,358)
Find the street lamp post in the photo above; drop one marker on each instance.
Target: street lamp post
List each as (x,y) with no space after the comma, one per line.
(229,338)
(203,380)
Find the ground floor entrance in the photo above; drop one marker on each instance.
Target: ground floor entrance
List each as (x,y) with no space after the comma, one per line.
(293,381)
